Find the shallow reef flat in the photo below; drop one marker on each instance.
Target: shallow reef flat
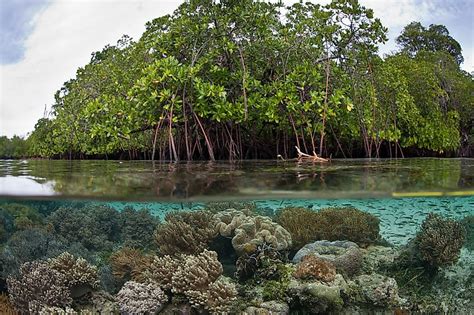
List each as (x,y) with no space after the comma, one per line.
(361,256)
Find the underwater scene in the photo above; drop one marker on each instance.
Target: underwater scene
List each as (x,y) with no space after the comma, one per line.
(265,237)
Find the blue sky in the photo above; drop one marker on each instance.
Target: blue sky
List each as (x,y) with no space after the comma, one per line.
(16,23)
(43,42)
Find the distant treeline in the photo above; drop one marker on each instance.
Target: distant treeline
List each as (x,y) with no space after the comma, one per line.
(251,79)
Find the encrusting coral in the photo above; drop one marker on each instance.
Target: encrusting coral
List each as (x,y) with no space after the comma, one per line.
(37,286)
(139,298)
(251,231)
(78,271)
(440,240)
(312,267)
(330,224)
(185,233)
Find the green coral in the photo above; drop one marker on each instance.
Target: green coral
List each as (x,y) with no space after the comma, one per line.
(332,224)
(468,223)
(439,241)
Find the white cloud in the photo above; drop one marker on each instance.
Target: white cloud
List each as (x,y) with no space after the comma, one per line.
(68,31)
(65,35)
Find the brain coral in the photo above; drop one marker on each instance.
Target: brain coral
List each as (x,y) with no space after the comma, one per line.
(185,232)
(37,286)
(139,298)
(249,232)
(440,240)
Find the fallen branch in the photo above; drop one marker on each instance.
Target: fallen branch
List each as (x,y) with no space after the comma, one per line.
(312,158)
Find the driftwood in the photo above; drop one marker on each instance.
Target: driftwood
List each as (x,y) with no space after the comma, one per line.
(303,157)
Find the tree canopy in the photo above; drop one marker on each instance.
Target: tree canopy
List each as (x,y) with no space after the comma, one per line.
(253,79)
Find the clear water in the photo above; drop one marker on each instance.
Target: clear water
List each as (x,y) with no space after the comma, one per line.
(400,193)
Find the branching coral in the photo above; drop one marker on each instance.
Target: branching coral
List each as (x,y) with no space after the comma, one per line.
(78,271)
(161,270)
(129,264)
(37,286)
(137,227)
(24,217)
(185,232)
(138,298)
(28,245)
(197,277)
(300,222)
(96,227)
(330,224)
(196,272)
(440,240)
(6,308)
(468,223)
(312,267)
(251,231)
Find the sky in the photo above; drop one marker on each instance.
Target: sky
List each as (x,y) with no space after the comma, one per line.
(43,42)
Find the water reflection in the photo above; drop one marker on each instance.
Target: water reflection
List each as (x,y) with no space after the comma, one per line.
(140,180)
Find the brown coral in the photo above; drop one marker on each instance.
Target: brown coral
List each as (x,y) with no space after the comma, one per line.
(440,240)
(312,267)
(185,232)
(129,264)
(196,272)
(38,286)
(161,270)
(301,223)
(330,224)
(76,270)
(6,307)
(197,277)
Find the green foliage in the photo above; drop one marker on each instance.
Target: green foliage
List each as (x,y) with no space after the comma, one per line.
(252,79)
(415,38)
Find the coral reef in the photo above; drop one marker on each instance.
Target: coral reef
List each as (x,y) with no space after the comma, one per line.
(95,227)
(197,277)
(54,310)
(268,308)
(138,298)
(312,267)
(81,277)
(6,306)
(24,217)
(301,223)
(128,264)
(38,286)
(318,297)
(468,223)
(375,290)
(439,241)
(346,256)
(251,231)
(185,233)
(138,227)
(330,224)
(29,245)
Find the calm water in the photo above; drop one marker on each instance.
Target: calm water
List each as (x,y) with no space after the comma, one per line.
(39,196)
